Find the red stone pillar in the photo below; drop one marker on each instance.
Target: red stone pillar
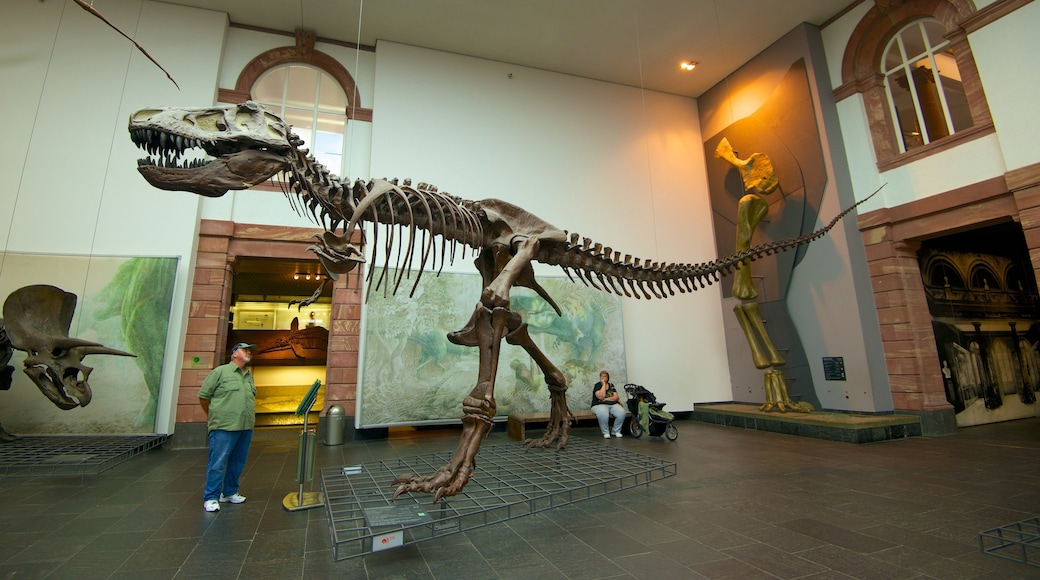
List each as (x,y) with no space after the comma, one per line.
(207,316)
(341,373)
(906,326)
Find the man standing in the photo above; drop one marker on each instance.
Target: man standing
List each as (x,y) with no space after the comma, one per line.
(228,396)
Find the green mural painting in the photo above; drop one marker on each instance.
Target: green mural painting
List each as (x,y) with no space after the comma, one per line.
(413,375)
(139,297)
(123,303)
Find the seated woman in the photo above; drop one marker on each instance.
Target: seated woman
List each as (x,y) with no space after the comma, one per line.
(607,403)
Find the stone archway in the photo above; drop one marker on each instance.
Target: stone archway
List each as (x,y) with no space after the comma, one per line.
(891,238)
(221,243)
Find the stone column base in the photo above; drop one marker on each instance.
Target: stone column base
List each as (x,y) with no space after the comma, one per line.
(937,423)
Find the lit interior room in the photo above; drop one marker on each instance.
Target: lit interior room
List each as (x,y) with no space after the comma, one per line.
(582,289)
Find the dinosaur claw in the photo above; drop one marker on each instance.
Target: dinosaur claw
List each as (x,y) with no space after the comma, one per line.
(400,489)
(402,479)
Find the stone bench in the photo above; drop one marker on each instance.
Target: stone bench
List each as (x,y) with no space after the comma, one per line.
(516,424)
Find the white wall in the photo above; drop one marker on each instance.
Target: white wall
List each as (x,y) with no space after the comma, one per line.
(1005,52)
(583,155)
(69,168)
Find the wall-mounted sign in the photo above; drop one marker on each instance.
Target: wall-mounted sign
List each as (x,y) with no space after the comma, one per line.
(834,368)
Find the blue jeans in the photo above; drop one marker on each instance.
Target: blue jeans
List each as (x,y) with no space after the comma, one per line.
(603,414)
(227,458)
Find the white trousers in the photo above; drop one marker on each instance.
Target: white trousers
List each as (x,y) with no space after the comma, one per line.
(603,414)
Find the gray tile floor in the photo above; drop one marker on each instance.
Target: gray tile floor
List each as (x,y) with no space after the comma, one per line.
(745,504)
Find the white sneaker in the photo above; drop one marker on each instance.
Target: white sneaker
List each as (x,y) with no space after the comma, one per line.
(235,498)
(606,435)
(211,505)
(618,435)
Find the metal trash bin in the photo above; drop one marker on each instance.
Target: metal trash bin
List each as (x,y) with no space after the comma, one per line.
(335,425)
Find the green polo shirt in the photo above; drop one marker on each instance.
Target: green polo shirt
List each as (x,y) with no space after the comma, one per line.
(232,398)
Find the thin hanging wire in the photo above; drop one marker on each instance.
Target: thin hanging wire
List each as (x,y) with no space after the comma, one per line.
(117,131)
(116,134)
(646,130)
(25,159)
(21,181)
(354,97)
(718,34)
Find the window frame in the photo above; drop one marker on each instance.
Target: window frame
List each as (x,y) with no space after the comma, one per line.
(316,111)
(302,53)
(862,74)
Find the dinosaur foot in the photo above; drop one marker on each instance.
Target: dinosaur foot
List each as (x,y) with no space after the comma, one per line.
(556,435)
(444,482)
(785,407)
(450,479)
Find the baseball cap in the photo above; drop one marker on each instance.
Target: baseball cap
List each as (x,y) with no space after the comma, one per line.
(242,345)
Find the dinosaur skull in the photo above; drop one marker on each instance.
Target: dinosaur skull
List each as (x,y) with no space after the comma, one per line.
(37,320)
(209,151)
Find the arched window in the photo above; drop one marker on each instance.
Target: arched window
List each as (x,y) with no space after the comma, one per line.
(982,277)
(911,63)
(313,103)
(923,84)
(312,91)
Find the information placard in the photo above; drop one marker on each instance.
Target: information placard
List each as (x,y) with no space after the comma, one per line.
(834,368)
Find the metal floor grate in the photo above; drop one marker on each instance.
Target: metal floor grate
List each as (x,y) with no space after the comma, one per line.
(71,454)
(1019,541)
(508,482)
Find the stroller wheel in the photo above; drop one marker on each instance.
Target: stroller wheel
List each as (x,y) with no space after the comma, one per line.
(671,432)
(635,428)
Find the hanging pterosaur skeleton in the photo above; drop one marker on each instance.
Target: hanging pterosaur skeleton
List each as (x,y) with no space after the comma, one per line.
(251,145)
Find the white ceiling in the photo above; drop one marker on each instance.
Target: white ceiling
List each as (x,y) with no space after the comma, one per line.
(639,43)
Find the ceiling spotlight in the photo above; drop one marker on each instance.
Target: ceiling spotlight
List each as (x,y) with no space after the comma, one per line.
(308,276)
(688,65)
(296,276)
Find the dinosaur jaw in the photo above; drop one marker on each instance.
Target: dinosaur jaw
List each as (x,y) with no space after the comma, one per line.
(66,391)
(211,150)
(239,170)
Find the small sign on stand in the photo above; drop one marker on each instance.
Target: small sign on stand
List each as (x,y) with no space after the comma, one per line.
(302,500)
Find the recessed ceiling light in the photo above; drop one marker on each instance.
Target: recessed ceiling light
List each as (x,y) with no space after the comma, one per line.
(688,65)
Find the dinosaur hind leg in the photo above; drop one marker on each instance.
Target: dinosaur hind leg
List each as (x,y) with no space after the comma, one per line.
(479,410)
(558,430)
(765,354)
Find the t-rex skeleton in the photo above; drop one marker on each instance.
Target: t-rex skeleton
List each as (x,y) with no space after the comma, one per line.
(250,145)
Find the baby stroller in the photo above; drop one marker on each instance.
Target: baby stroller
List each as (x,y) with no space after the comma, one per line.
(648,416)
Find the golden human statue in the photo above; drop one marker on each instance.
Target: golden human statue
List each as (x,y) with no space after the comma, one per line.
(759,180)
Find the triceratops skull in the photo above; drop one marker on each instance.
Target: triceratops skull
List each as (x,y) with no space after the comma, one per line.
(37,320)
